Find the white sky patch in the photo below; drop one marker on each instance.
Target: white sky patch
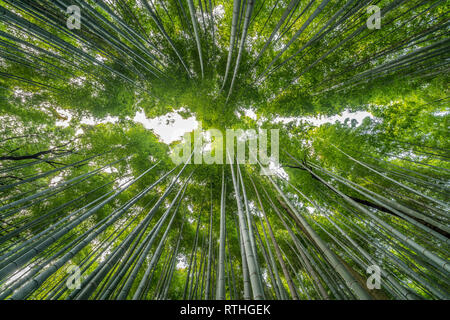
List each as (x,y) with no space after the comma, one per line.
(92,121)
(85,120)
(250,113)
(111,170)
(55,180)
(310,209)
(320,120)
(266,278)
(100,58)
(182,262)
(78,81)
(170,127)
(218,12)
(278,170)
(207,142)
(61,122)
(79,131)
(121,182)
(359,116)
(23,95)
(441,113)
(274,169)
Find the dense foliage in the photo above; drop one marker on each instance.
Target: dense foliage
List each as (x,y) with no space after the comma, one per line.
(78,189)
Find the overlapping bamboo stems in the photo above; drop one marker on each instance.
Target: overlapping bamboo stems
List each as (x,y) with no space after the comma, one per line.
(128,259)
(120,45)
(26,246)
(210,247)
(249,217)
(95,27)
(385,10)
(289,24)
(362,28)
(47,173)
(191,260)
(437,183)
(57,188)
(26,255)
(405,43)
(396,262)
(433,258)
(286,12)
(227,268)
(50,228)
(158,250)
(277,251)
(41,33)
(413,64)
(444,205)
(203,278)
(403,292)
(131,35)
(48,54)
(278,283)
(142,249)
(34,267)
(233,286)
(296,35)
(220,292)
(194,289)
(236,7)
(174,260)
(40,223)
(257,290)
(316,266)
(165,288)
(196,33)
(244,266)
(412,216)
(305,257)
(298,272)
(330,255)
(166,36)
(317,36)
(85,268)
(37,267)
(248,13)
(268,263)
(35,282)
(92,257)
(364,265)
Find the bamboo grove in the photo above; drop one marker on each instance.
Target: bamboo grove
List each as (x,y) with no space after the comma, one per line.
(83,195)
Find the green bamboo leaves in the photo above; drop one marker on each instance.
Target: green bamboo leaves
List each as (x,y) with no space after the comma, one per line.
(86,186)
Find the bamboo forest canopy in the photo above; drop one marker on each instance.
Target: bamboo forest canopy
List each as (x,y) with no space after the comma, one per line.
(92,206)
